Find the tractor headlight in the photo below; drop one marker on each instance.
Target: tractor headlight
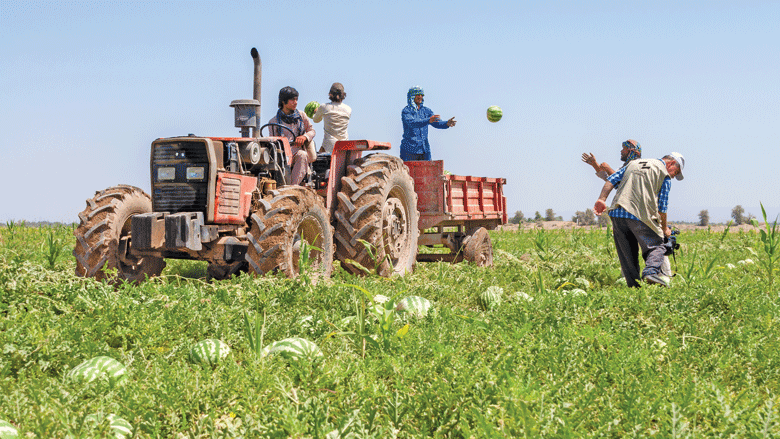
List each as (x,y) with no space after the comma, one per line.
(196,173)
(167,173)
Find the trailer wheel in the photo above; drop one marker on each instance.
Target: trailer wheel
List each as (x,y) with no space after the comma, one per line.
(478,248)
(280,224)
(103,237)
(377,204)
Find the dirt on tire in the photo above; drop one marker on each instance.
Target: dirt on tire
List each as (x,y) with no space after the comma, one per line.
(103,237)
(377,205)
(280,223)
(478,248)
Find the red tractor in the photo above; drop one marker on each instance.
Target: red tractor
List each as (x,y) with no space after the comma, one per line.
(228,201)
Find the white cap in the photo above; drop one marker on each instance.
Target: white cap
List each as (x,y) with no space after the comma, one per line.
(680,161)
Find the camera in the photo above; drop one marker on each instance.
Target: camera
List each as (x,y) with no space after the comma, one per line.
(670,242)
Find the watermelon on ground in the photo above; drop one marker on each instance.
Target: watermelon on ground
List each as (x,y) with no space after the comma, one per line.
(490,298)
(210,351)
(119,426)
(292,348)
(414,305)
(311,107)
(8,431)
(494,113)
(101,366)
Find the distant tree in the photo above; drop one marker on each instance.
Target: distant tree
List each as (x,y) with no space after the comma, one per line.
(586,218)
(518,218)
(549,215)
(704,218)
(538,216)
(738,213)
(603,220)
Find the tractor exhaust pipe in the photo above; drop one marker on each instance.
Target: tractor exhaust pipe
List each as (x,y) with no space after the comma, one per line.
(256,88)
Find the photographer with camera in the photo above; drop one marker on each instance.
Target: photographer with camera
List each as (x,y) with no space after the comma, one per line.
(638,214)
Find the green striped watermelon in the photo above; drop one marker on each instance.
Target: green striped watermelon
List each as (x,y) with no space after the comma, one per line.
(210,351)
(311,107)
(414,305)
(8,431)
(494,113)
(490,298)
(293,349)
(99,367)
(119,426)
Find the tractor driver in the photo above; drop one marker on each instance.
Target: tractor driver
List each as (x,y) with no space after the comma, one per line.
(300,133)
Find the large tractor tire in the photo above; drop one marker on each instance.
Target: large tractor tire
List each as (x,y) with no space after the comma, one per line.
(377,204)
(281,224)
(103,237)
(478,248)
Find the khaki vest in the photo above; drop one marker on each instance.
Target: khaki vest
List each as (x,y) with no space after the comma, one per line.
(638,191)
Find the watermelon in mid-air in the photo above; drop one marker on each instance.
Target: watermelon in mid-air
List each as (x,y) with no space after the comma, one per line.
(494,113)
(311,107)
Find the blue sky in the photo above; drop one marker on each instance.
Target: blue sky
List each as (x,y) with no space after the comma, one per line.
(85,87)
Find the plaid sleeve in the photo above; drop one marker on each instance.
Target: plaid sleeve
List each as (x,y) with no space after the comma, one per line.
(663,195)
(617,176)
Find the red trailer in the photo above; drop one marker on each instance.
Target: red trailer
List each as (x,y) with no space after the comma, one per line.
(456,212)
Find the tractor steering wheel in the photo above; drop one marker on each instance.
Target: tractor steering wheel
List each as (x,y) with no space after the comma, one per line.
(280,126)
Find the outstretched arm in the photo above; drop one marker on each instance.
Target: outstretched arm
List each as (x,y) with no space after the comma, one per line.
(590,159)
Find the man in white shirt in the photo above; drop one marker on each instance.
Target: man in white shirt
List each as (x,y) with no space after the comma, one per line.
(336,115)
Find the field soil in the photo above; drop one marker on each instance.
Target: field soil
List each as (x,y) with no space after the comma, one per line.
(569,225)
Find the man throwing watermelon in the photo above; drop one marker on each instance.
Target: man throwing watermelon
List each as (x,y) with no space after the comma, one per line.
(416,117)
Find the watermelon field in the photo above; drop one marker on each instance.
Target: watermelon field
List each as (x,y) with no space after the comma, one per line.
(546,343)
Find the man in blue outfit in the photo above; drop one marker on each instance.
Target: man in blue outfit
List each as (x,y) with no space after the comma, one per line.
(638,214)
(416,118)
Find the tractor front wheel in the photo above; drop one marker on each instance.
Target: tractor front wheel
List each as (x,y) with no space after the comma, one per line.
(103,237)
(290,232)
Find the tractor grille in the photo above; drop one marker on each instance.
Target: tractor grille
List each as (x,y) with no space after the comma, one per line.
(180,198)
(180,192)
(193,152)
(229,196)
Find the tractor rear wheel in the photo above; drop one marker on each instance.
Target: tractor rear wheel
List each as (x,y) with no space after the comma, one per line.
(478,248)
(377,204)
(103,237)
(288,227)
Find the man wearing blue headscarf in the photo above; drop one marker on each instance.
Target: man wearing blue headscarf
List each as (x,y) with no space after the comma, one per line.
(416,118)
(631,151)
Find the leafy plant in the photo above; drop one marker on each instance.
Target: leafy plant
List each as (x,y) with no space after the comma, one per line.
(306,261)
(373,255)
(365,306)
(771,242)
(52,248)
(543,242)
(254,332)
